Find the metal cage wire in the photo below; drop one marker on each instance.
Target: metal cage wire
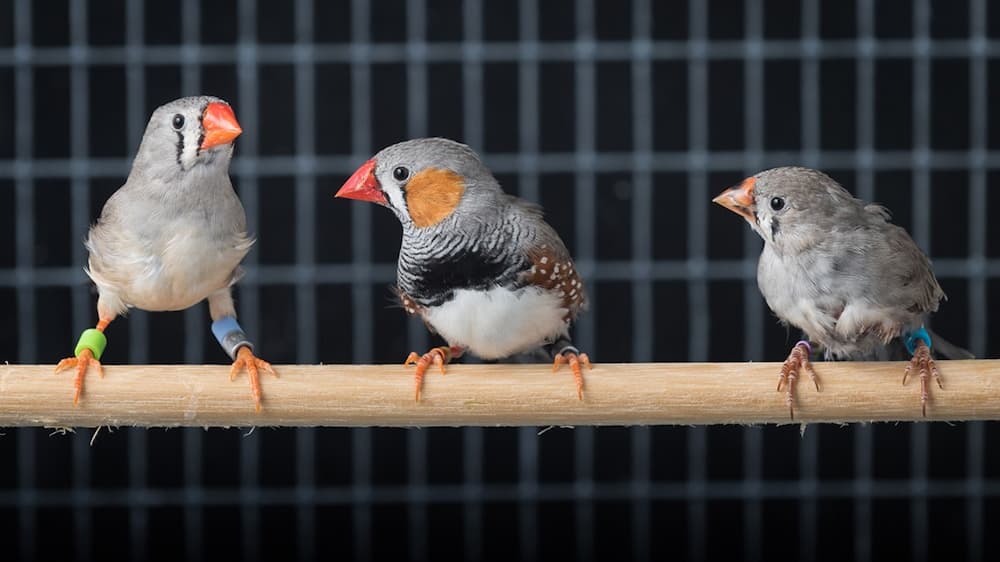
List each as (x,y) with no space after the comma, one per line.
(528,165)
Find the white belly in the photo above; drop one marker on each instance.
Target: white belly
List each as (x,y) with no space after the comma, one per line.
(191,267)
(499,322)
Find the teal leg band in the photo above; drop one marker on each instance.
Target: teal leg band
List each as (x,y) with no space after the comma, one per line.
(910,339)
(94,340)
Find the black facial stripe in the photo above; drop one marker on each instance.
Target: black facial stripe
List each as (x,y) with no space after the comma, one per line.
(775,227)
(180,147)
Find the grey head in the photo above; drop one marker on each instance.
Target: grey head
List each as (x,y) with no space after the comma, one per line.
(190,136)
(792,208)
(426,182)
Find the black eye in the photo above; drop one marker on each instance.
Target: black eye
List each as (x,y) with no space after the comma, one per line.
(178,121)
(400,173)
(777,203)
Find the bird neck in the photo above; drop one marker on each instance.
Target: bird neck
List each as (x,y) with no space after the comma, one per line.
(209,168)
(201,181)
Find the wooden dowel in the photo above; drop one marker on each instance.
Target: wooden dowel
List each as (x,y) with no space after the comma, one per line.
(492,395)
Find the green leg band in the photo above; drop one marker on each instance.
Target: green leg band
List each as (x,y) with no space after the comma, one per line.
(94,340)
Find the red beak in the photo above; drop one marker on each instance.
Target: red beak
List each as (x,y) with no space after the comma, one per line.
(220,125)
(739,199)
(363,186)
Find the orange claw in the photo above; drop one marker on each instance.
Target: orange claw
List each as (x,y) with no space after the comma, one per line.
(439,356)
(253,364)
(81,362)
(926,368)
(798,359)
(574,364)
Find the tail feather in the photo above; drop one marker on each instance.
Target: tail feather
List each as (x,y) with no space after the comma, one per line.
(947,349)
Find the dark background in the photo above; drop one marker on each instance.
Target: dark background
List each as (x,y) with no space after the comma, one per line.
(623,119)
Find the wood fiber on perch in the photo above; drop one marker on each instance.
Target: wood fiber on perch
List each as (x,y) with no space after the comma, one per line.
(493,395)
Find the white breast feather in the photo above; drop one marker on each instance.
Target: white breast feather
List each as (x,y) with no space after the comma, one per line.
(499,322)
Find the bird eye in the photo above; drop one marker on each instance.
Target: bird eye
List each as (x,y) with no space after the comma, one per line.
(777,203)
(178,121)
(400,173)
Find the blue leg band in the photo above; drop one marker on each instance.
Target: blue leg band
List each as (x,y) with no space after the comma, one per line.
(230,336)
(910,339)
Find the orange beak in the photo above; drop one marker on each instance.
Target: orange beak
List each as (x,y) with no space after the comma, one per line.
(739,199)
(220,125)
(363,186)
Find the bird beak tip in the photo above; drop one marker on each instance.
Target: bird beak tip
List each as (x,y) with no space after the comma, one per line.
(363,185)
(739,199)
(220,125)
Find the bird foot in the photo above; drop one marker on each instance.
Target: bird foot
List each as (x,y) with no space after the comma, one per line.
(81,362)
(797,360)
(253,364)
(575,360)
(926,368)
(439,356)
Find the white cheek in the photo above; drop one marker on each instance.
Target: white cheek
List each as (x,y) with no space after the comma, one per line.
(395,195)
(189,155)
(764,227)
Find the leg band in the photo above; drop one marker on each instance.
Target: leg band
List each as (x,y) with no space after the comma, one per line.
(94,340)
(910,339)
(569,349)
(561,345)
(230,336)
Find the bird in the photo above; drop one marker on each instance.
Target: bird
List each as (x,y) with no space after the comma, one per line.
(838,269)
(481,267)
(173,234)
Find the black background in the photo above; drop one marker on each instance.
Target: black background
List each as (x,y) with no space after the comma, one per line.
(237,509)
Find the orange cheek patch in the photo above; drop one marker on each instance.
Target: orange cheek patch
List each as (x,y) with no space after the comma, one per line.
(432,195)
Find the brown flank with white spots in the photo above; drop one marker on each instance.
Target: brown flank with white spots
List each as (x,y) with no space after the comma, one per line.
(555,273)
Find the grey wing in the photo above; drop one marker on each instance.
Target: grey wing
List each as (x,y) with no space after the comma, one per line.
(905,278)
(117,254)
(530,228)
(552,265)
(945,348)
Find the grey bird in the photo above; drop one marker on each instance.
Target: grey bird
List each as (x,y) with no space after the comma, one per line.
(174,234)
(480,267)
(835,267)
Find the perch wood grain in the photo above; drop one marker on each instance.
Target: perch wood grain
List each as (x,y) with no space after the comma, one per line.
(491,395)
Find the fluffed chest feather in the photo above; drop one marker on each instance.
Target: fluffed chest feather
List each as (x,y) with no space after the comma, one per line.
(793,287)
(830,302)
(171,267)
(196,262)
(500,321)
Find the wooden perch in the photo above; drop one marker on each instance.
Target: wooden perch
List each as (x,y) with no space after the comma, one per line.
(491,395)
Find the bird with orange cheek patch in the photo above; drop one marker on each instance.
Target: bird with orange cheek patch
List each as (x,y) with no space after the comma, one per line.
(479,266)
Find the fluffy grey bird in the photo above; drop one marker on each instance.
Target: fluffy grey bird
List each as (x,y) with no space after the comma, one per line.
(173,234)
(836,268)
(480,267)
